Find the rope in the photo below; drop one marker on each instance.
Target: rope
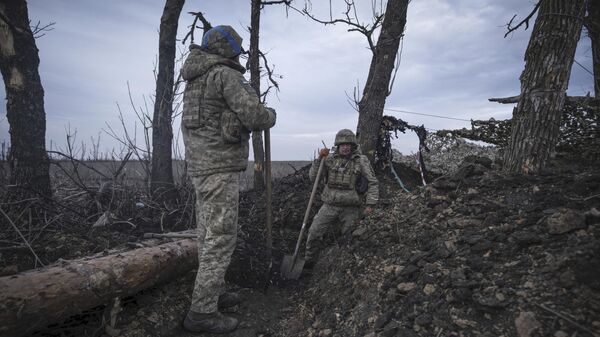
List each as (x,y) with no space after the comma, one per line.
(398,178)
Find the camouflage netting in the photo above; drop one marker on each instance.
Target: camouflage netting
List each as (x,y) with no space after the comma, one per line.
(447,152)
(579,130)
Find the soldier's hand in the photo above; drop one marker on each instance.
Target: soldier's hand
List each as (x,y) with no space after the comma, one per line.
(368,210)
(324,152)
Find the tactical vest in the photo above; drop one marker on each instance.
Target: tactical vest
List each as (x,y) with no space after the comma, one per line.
(342,173)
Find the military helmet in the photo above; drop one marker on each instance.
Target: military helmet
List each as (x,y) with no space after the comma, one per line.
(222,40)
(345,136)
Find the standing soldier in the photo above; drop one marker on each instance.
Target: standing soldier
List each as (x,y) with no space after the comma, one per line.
(344,171)
(219,111)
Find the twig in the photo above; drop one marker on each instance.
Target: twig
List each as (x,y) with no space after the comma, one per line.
(205,26)
(582,199)
(21,235)
(563,316)
(525,21)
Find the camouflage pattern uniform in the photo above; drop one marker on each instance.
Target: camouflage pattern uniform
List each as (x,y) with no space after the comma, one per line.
(220,109)
(341,201)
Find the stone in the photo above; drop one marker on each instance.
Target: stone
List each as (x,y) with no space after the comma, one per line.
(567,279)
(526,324)
(423,319)
(564,220)
(406,286)
(592,217)
(429,289)
(561,333)
(382,320)
(325,333)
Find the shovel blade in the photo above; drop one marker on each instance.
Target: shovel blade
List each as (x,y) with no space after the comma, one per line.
(291,270)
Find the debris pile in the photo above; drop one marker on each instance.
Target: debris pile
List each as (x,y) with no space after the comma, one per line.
(476,253)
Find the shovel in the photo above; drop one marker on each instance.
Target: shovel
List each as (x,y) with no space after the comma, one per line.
(291,266)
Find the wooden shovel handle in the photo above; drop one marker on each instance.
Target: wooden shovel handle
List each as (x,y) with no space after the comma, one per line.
(310,202)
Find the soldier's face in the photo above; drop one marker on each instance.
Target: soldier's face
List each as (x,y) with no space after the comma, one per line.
(345,149)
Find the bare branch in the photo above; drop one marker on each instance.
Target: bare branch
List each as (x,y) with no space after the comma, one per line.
(524,22)
(351,19)
(205,26)
(39,31)
(286,2)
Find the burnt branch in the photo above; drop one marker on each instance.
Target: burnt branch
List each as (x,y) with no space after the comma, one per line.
(523,22)
(205,26)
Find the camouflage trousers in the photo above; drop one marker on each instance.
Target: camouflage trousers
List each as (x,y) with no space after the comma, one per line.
(217,200)
(329,217)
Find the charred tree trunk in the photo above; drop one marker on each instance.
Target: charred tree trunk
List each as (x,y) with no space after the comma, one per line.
(19,61)
(253,62)
(376,88)
(32,300)
(162,131)
(592,23)
(544,82)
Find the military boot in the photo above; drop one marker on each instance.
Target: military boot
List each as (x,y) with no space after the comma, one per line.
(214,322)
(229,300)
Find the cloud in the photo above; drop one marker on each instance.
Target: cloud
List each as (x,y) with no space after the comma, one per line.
(454,58)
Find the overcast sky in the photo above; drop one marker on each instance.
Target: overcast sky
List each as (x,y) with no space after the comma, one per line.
(454,58)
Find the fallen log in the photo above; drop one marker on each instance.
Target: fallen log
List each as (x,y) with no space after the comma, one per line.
(32,300)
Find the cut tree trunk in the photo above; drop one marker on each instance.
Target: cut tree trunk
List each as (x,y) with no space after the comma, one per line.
(544,82)
(377,88)
(30,301)
(19,61)
(161,183)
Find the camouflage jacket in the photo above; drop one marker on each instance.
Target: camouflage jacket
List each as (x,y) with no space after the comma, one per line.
(219,111)
(343,192)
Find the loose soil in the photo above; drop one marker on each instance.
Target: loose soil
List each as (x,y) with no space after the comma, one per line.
(476,253)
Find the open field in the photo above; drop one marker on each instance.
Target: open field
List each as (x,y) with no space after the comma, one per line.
(97,172)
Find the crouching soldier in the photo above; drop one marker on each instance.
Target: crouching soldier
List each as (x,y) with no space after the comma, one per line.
(219,111)
(344,171)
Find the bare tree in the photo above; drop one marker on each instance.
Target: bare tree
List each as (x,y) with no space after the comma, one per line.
(544,82)
(162,130)
(19,61)
(254,57)
(379,81)
(254,65)
(592,23)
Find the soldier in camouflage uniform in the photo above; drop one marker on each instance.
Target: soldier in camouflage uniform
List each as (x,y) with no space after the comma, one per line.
(341,201)
(220,109)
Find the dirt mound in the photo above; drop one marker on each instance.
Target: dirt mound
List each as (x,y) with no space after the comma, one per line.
(475,253)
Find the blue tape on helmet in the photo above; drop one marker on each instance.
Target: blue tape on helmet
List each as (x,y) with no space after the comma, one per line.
(237,49)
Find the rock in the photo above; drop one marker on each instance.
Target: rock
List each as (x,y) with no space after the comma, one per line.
(526,324)
(525,238)
(382,320)
(561,333)
(389,332)
(429,289)
(360,231)
(409,270)
(592,217)
(423,319)
(564,220)
(406,286)
(325,333)
(567,279)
